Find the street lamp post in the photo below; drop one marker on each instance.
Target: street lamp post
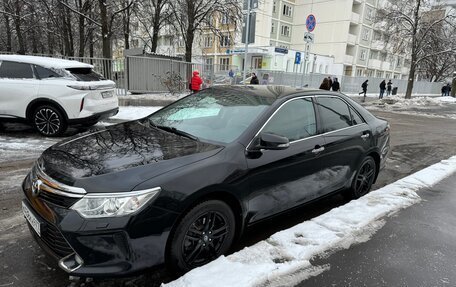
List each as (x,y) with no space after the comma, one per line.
(246,39)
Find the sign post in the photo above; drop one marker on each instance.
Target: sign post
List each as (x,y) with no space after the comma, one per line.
(309,37)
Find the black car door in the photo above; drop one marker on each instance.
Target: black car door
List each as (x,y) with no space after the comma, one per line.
(347,139)
(282,179)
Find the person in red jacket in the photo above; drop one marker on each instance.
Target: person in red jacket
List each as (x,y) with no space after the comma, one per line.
(195,82)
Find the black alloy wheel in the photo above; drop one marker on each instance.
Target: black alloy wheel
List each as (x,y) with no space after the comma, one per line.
(49,121)
(364,178)
(204,233)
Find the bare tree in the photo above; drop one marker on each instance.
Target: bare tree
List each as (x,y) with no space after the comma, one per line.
(191,17)
(410,24)
(152,15)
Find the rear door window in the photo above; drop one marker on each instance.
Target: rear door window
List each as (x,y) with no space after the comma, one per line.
(295,120)
(334,113)
(14,70)
(44,73)
(85,74)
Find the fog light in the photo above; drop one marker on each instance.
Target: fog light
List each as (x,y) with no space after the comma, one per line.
(71,263)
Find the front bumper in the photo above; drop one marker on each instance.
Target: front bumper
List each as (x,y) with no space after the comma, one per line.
(115,246)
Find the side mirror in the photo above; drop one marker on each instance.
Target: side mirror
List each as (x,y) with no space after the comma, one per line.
(270,141)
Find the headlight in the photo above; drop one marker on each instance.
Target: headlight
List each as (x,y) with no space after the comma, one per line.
(113,204)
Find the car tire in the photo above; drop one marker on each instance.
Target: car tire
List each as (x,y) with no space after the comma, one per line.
(364,178)
(204,233)
(49,121)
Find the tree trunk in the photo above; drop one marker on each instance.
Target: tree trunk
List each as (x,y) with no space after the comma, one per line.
(411,78)
(189,45)
(126,27)
(8,32)
(105,31)
(156,26)
(81,28)
(17,25)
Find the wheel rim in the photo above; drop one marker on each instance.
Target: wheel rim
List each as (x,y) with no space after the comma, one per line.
(47,121)
(204,239)
(365,178)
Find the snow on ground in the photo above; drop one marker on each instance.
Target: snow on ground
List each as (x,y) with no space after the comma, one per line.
(23,148)
(155,96)
(284,258)
(133,113)
(437,107)
(11,179)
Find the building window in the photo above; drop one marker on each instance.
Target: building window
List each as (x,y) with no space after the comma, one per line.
(272,28)
(388,75)
(359,73)
(379,74)
(363,55)
(135,43)
(226,18)
(398,62)
(274,7)
(208,41)
(225,41)
(369,14)
(366,34)
(181,42)
(224,64)
(285,31)
(287,10)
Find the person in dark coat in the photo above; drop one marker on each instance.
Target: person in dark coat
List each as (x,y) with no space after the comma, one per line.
(254,80)
(447,90)
(364,91)
(389,87)
(195,82)
(382,89)
(330,81)
(335,85)
(325,85)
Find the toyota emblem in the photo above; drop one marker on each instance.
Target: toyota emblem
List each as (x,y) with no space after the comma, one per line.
(36,184)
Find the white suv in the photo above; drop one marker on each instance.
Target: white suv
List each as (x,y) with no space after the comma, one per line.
(53,93)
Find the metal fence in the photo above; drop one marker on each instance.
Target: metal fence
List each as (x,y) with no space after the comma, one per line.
(348,84)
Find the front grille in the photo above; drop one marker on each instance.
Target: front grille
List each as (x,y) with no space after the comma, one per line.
(52,237)
(56,199)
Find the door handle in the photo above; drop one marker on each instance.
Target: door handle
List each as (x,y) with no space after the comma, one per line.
(318,149)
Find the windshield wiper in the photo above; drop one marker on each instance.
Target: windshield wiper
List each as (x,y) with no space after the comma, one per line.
(177,132)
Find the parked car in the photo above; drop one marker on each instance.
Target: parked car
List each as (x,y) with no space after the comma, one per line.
(51,94)
(178,186)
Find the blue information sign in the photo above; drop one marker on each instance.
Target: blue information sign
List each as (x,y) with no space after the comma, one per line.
(311,22)
(298,58)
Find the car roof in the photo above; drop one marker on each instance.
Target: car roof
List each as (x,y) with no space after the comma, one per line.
(46,62)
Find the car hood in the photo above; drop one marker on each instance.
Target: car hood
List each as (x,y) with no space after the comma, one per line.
(126,154)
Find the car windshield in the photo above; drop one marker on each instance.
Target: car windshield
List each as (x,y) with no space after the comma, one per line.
(219,116)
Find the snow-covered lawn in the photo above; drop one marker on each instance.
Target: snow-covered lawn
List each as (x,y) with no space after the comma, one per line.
(284,258)
(11,147)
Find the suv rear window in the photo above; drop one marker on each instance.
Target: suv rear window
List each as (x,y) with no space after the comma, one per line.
(85,74)
(44,73)
(15,70)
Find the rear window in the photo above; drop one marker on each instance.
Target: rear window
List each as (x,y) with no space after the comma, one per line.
(44,73)
(85,74)
(15,70)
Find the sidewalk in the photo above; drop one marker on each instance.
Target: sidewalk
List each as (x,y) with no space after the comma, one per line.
(416,248)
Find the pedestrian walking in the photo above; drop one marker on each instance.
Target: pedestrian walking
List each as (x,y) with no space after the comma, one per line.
(231,75)
(443,90)
(335,85)
(447,90)
(364,91)
(389,86)
(325,85)
(195,82)
(330,82)
(254,80)
(382,89)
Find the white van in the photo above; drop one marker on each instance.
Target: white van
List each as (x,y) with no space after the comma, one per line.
(52,93)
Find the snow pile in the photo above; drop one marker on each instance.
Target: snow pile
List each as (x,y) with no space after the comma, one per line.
(23,148)
(284,258)
(155,96)
(134,113)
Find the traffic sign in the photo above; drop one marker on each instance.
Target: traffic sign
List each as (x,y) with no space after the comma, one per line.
(311,22)
(298,58)
(309,37)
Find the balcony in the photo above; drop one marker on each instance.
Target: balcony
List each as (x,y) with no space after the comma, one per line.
(351,39)
(377,45)
(348,59)
(354,18)
(386,66)
(375,64)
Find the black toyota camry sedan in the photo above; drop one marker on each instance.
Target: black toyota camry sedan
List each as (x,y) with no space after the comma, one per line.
(179,186)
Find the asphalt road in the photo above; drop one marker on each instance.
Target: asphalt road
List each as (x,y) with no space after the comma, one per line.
(417,142)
